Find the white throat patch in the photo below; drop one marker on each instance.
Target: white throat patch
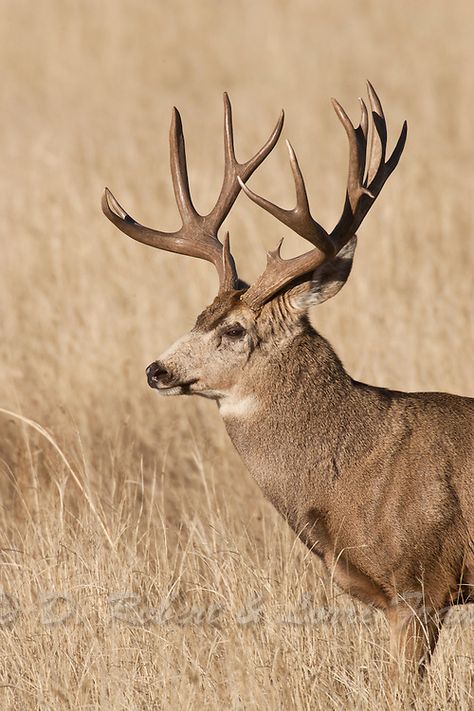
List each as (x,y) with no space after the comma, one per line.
(237,405)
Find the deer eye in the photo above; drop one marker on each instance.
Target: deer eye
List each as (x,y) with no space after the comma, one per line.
(234,332)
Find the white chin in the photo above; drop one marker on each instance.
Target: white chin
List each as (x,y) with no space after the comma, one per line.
(169,391)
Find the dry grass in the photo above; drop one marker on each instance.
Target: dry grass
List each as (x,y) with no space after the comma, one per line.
(140,566)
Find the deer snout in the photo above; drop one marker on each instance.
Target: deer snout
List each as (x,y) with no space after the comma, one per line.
(158,375)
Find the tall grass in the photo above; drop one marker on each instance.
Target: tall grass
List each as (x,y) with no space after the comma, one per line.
(140,565)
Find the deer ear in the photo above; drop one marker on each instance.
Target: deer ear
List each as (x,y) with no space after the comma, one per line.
(327,280)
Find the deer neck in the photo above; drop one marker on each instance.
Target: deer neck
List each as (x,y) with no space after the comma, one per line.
(296,418)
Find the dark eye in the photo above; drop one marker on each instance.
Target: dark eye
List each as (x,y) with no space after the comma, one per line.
(235,331)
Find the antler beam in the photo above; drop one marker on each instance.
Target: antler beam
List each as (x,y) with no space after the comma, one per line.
(198,235)
(363,186)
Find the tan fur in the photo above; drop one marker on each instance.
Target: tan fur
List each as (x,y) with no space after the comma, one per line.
(379,484)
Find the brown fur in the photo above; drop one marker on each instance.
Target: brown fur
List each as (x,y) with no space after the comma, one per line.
(378,483)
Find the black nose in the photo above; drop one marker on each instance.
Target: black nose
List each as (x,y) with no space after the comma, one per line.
(157,374)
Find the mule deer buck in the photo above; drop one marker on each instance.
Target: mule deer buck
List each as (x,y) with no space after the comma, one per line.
(378,483)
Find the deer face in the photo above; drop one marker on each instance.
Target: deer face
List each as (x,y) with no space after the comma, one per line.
(231,339)
(212,359)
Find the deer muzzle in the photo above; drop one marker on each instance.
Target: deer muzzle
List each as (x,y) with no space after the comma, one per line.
(164,380)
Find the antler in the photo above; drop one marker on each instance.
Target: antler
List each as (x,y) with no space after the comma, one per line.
(198,235)
(363,186)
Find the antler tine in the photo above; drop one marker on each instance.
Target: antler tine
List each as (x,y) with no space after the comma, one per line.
(233,170)
(198,235)
(299,218)
(229,150)
(179,169)
(230,280)
(364,118)
(357,152)
(253,163)
(208,248)
(381,168)
(361,193)
(392,162)
(379,135)
(360,196)
(113,210)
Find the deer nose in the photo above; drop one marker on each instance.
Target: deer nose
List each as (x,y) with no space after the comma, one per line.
(157,374)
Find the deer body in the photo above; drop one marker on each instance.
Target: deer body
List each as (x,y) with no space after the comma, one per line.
(378,483)
(364,476)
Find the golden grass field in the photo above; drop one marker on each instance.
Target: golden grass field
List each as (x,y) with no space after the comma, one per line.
(141,567)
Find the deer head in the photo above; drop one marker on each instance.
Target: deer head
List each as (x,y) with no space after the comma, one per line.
(235,334)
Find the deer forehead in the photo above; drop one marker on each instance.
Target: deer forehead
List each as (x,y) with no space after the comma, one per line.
(224,309)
